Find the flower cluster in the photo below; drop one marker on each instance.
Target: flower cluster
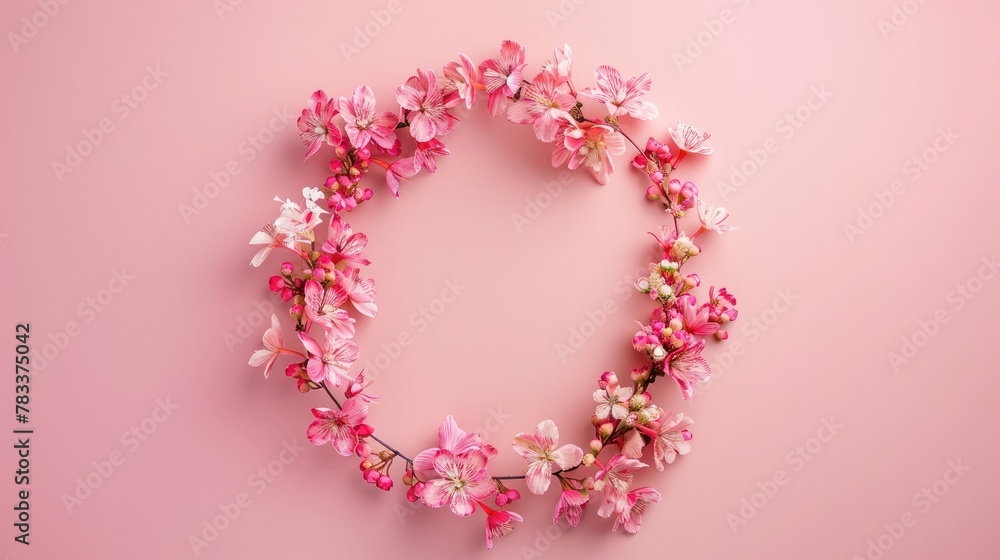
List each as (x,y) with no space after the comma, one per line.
(327,294)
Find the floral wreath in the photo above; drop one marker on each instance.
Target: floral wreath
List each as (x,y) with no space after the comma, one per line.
(319,283)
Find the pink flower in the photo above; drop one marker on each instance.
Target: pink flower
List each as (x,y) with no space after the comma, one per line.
(696,320)
(689,139)
(462,78)
(614,479)
(324,307)
(425,156)
(316,123)
(403,168)
(345,245)
(570,504)
(540,449)
(672,438)
(498,523)
(544,106)
(364,125)
(622,97)
(686,366)
(612,402)
(338,426)
(592,146)
(296,223)
(712,218)
(462,481)
(331,361)
(502,76)
(360,292)
(422,97)
(271,238)
(273,347)
(562,68)
(631,516)
(450,438)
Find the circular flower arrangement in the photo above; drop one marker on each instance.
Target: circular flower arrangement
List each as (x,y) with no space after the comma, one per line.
(323,279)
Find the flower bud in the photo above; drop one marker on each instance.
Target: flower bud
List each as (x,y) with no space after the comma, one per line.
(687,435)
(659,354)
(364,430)
(656,176)
(588,459)
(596,446)
(721,334)
(674,186)
(384,482)
(653,192)
(605,430)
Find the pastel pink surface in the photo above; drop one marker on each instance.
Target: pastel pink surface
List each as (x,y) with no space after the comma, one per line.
(491,356)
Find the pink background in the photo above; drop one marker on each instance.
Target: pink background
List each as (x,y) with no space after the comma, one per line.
(492,352)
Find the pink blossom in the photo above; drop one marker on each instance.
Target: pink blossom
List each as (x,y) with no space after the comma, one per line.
(615,479)
(273,347)
(712,218)
(316,123)
(428,114)
(331,361)
(562,68)
(323,306)
(570,504)
(462,481)
(462,78)
(498,523)
(338,426)
(502,76)
(542,451)
(296,223)
(696,320)
(612,402)
(686,366)
(345,245)
(620,96)
(591,145)
(544,106)
(361,292)
(271,238)
(364,125)
(357,388)
(425,156)
(450,438)
(403,168)
(689,139)
(631,516)
(672,438)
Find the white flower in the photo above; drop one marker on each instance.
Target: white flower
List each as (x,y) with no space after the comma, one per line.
(690,140)
(712,218)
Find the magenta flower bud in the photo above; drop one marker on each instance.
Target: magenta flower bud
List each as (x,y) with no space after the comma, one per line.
(384,482)
(336,166)
(287,294)
(686,192)
(276,283)
(331,183)
(656,176)
(501,499)
(340,151)
(344,181)
(674,186)
(693,279)
(652,145)
(663,153)
(364,430)
(371,476)
(653,192)
(363,449)
(295,311)
(687,435)
(292,370)
(639,161)
(364,154)
(411,494)
(287,268)
(513,495)
(721,334)
(367,194)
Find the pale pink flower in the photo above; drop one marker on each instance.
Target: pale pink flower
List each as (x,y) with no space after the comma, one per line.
(462,78)
(696,320)
(462,481)
(273,347)
(502,76)
(686,366)
(544,106)
(592,147)
(631,516)
(689,139)
(428,112)
(357,388)
(331,361)
(620,96)
(271,238)
(403,168)
(542,451)
(570,504)
(672,438)
(425,156)
(712,218)
(364,125)
(498,523)
(339,426)
(562,67)
(324,307)
(316,123)
(615,479)
(450,438)
(345,245)
(361,292)
(297,223)
(612,402)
